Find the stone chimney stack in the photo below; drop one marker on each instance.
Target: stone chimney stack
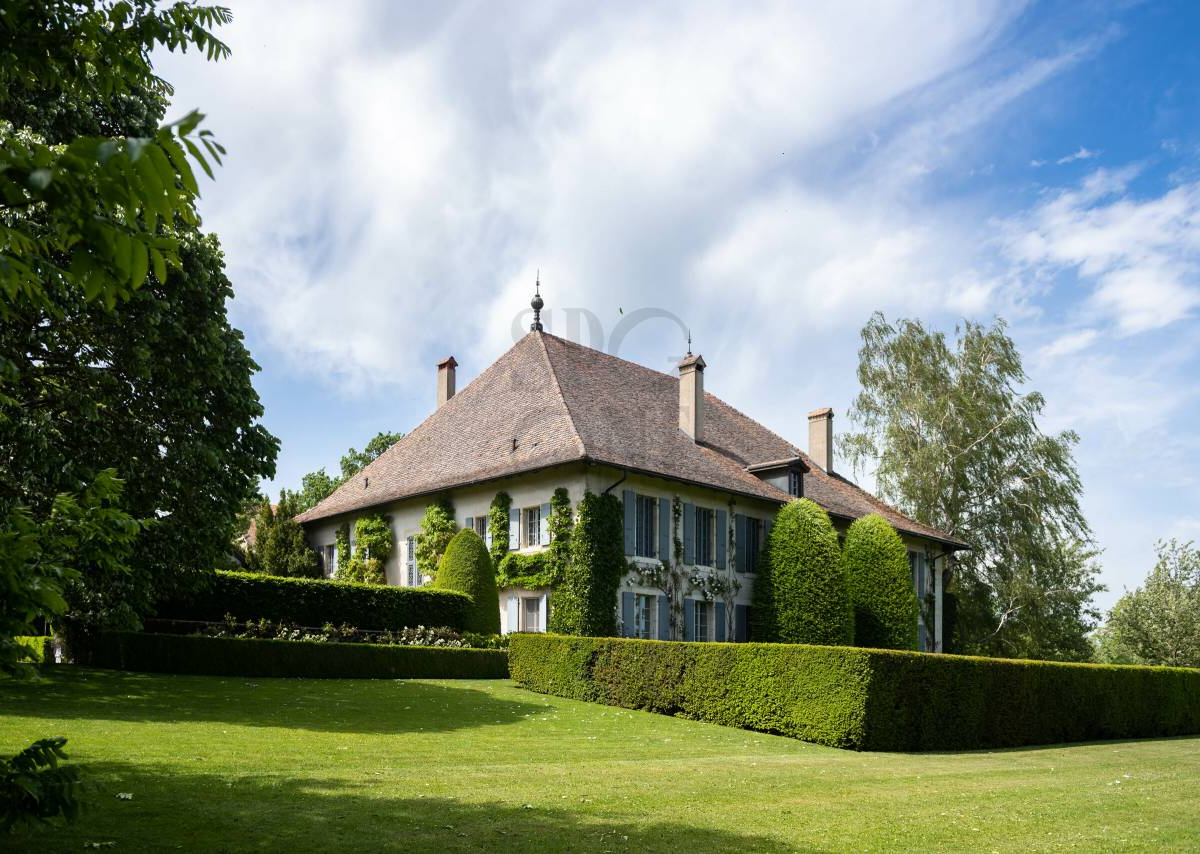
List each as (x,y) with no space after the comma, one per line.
(691,396)
(445,380)
(820,437)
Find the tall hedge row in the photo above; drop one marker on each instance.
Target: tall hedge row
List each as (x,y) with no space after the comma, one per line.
(865,699)
(249,596)
(800,593)
(875,563)
(195,654)
(466,567)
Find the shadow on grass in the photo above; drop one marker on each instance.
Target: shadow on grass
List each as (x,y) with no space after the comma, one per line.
(1035,748)
(368,706)
(211,813)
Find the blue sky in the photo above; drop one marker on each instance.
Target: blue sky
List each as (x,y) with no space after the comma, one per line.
(768,173)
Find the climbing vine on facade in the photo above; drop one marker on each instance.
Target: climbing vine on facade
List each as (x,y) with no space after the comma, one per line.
(436,530)
(498,526)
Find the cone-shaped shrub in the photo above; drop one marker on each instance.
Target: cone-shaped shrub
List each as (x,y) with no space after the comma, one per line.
(466,567)
(800,593)
(881,592)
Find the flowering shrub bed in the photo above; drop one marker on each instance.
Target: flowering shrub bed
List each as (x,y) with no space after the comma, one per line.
(264,629)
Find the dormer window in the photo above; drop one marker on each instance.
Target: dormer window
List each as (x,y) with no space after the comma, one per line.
(795,484)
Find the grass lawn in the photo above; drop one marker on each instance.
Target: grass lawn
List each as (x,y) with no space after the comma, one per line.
(219,764)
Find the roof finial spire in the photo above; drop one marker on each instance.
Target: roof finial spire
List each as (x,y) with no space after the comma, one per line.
(536,303)
(689,352)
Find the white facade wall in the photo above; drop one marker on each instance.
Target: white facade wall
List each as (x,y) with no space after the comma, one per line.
(535,489)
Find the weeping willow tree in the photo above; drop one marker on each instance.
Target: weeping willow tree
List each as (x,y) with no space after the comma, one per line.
(952,436)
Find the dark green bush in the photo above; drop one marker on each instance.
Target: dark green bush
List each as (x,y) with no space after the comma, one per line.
(466,567)
(875,563)
(800,593)
(248,596)
(34,787)
(195,654)
(864,698)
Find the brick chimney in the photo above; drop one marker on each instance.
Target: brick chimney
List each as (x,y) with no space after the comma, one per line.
(691,396)
(445,380)
(820,437)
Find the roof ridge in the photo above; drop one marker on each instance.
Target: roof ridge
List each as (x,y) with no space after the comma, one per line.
(562,398)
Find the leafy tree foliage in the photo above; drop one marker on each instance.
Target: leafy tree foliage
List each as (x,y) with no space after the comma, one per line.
(800,593)
(40,559)
(317,485)
(466,567)
(279,546)
(585,604)
(437,529)
(354,461)
(955,443)
(875,563)
(1158,623)
(86,211)
(34,787)
(102,364)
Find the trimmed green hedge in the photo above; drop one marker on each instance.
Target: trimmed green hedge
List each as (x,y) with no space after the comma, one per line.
(467,568)
(249,596)
(863,698)
(195,654)
(875,563)
(800,593)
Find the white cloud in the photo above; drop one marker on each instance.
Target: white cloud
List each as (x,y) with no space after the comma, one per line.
(1068,344)
(1140,255)
(1081,154)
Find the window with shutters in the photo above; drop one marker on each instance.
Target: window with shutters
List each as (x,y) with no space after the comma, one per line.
(702,631)
(795,484)
(754,543)
(480,524)
(531,526)
(410,553)
(705,533)
(531,614)
(643,616)
(645,543)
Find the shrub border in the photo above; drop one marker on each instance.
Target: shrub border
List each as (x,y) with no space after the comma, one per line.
(865,699)
(207,656)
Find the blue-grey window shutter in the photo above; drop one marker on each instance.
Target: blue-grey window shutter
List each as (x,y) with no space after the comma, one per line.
(741,625)
(739,542)
(722,539)
(469,523)
(665,532)
(767,531)
(719,610)
(689,619)
(488,538)
(626,614)
(921,575)
(514,605)
(544,529)
(664,618)
(689,536)
(630,515)
(514,529)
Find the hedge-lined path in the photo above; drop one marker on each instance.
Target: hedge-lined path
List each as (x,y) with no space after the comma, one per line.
(222,764)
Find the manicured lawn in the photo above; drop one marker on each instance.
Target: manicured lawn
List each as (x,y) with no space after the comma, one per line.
(295,765)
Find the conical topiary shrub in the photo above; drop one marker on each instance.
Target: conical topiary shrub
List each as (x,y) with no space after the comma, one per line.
(881,591)
(467,568)
(800,593)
